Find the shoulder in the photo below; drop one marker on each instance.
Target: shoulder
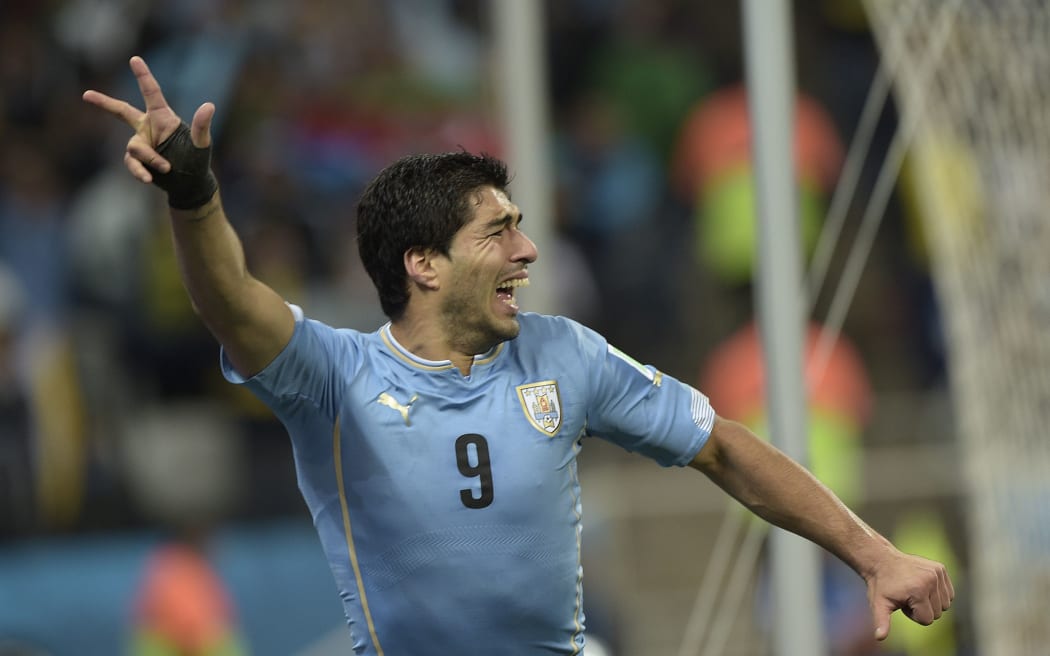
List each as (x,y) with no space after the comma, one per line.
(316,338)
(553,325)
(310,325)
(552,331)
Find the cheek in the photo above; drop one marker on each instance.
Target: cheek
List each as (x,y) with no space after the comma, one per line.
(468,280)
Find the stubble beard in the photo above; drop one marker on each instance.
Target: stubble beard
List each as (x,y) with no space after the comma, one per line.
(472,329)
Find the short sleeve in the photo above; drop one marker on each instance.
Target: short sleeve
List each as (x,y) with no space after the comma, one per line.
(646,411)
(307,369)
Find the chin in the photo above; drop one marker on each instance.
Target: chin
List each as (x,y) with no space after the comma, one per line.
(503,328)
(515,328)
(507,329)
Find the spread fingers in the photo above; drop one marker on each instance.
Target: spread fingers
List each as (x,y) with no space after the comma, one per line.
(148,86)
(119,108)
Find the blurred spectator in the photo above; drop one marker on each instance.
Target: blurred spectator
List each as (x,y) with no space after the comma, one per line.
(33,244)
(650,79)
(839,403)
(839,400)
(32,229)
(16,446)
(182,607)
(609,189)
(711,171)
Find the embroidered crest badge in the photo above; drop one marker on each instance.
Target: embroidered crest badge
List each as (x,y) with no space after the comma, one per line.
(542,406)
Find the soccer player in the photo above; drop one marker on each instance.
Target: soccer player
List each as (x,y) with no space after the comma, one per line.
(437,454)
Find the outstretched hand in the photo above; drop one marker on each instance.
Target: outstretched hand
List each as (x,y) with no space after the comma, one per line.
(919,588)
(152,126)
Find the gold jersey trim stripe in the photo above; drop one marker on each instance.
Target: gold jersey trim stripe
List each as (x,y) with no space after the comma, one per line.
(579,550)
(415,363)
(491,356)
(336,453)
(444,366)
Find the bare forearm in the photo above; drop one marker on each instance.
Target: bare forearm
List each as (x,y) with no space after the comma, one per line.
(211,261)
(248,318)
(783,493)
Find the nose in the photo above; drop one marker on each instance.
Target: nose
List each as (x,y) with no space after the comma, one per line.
(524,248)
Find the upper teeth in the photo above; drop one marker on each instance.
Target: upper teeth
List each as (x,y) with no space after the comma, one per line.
(517,282)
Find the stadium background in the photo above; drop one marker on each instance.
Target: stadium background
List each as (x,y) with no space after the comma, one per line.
(117,434)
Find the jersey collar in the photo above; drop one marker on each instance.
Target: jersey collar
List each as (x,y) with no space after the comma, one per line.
(431,365)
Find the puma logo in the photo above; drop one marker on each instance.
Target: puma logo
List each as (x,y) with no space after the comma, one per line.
(391,402)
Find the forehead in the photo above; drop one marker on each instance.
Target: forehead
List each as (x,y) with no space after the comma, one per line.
(490,203)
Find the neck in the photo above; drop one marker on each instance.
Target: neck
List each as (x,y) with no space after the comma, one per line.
(426,340)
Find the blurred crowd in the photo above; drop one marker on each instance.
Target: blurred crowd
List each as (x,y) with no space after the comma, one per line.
(113,412)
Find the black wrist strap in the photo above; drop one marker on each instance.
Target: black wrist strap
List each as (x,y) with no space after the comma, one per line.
(190,183)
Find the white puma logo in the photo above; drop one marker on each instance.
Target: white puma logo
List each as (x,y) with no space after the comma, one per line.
(391,402)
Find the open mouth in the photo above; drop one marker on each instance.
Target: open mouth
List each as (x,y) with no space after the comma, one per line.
(505,292)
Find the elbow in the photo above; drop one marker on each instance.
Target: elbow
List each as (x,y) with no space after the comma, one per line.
(730,459)
(712,459)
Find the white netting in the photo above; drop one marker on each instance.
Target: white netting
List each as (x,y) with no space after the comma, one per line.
(981,114)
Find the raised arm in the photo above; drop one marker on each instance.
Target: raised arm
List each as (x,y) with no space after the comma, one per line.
(248,318)
(783,493)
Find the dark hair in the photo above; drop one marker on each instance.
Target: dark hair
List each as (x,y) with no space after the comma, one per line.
(419,201)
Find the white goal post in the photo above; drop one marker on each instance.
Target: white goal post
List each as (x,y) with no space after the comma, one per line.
(981,114)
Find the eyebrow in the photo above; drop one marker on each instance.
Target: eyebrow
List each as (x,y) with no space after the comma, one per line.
(502,221)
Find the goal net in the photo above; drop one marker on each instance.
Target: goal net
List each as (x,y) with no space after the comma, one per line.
(972,79)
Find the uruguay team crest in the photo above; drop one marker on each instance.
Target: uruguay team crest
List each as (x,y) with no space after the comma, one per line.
(542,405)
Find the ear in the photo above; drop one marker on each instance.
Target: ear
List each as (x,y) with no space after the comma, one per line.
(419,265)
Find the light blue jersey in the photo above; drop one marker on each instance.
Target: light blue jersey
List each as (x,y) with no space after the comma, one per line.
(449,506)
